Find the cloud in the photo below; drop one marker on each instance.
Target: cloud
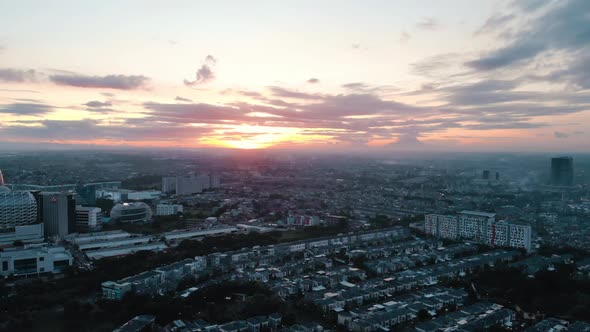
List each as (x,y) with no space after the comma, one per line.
(563,27)
(25,109)
(17,75)
(428,23)
(119,82)
(178,98)
(404,37)
(355,86)
(98,104)
(495,23)
(313,80)
(559,134)
(286,93)
(205,73)
(356,46)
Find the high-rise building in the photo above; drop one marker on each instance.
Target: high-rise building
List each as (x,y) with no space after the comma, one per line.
(562,171)
(88,219)
(190,184)
(58,213)
(486,174)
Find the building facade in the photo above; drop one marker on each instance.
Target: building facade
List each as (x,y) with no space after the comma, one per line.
(88,219)
(562,171)
(34,259)
(58,213)
(168,209)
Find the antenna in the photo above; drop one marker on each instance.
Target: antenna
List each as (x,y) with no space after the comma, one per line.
(1,178)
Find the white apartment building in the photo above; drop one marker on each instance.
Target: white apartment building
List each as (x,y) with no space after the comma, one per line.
(479,226)
(168,209)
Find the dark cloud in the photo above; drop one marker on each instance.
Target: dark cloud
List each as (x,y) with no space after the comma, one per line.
(428,23)
(205,73)
(286,93)
(17,75)
(355,86)
(25,109)
(98,104)
(495,22)
(559,134)
(313,80)
(87,129)
(564,27)
(120,82)
(179,98)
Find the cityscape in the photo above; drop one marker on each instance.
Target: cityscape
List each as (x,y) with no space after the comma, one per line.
(304,243)
(295,166)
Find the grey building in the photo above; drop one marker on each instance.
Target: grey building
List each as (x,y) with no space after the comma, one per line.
(58,213)
(562,171)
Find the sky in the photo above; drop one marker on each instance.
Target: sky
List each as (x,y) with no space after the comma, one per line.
(370,75)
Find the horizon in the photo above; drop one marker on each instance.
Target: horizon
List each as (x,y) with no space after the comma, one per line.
(366,78)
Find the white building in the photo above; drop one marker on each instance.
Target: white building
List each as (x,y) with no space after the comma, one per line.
(191,184)
(119,195)
(34,259)
(479,226)
(88,219)
(168,209)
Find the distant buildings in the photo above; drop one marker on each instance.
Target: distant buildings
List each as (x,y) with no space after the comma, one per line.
(88,219)
(33,260)
(131,212)
(168,209)
(191,184)
(562,171)
(479,226)
(119,195)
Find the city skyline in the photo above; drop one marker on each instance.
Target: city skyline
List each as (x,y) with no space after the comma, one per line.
(403,75)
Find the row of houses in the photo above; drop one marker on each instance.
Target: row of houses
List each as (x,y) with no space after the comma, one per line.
(166,278)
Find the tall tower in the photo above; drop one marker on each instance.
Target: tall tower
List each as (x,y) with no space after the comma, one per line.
(1,179)
(562,171)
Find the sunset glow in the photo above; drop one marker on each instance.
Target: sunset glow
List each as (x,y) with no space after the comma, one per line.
(377,75)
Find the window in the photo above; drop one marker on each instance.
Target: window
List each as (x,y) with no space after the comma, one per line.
(4,266)
(41,259)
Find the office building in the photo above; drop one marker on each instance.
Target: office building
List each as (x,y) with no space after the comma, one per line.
(131,212)
(486,175)
(88,219)
(58,213)
(34,259)
(86,195)
(168,209)
(562,171)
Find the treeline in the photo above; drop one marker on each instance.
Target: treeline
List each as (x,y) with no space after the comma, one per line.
(555,293)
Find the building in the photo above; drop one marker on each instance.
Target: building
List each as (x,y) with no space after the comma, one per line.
(131,212)
(88,219)
(481,227)
(486,174)
(58,213)
(473,224)
(169,184)
(562,171)
(16,209)
(168,209)
(34,259)
(26,234)
(191,184)
(121,195)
